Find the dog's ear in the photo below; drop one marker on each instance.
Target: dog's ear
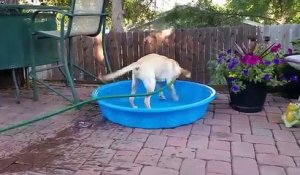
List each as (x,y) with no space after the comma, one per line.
(186,73)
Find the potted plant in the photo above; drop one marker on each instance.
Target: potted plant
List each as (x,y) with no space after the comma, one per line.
(248,70)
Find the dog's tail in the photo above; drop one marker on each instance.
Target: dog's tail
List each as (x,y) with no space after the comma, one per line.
(186,73)
(120,72)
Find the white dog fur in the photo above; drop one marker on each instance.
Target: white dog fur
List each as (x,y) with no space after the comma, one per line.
(150,69)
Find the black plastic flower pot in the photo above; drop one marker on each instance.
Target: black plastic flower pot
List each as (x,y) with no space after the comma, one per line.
(249,100)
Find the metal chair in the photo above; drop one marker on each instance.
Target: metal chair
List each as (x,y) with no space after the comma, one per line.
(85,17)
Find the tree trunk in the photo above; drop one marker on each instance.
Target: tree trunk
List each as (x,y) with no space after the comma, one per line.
(117,16)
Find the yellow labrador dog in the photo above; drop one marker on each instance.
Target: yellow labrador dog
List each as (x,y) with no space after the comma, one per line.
(150,69)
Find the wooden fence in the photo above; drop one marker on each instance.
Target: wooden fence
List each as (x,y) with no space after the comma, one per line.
(192,48)
(283,34)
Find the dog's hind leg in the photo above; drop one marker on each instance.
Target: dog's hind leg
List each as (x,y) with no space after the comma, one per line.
(173,91)
(133,91)
(161,93)
(150,87)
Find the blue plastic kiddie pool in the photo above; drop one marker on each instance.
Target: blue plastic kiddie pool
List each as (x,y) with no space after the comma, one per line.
(191,106)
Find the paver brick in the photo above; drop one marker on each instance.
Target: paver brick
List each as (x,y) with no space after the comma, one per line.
(241,128)
(258,118)
(273,109)
(239,118)
(271,170)
(275,160)
(297,160)
(242,149)
(192,167)
(170,162)
(179,152)
(226,111)
(244,166)
(222,116)
(220,145)
(289,149)
(201,130)
(258,139)
(219,167)
(182,131)
(177,141)
(148,131)
(156,141)
(293,171)
(265,125)
(220,129)
(122,169)
(139,137)
(126,145)
(284,136)
(153,170)
(197,141)
(262,132)
(265,149)
(210,154)
(216,122)
(125,156)
(225,136)
(148,156)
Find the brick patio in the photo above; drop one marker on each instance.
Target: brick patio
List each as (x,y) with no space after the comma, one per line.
(80,142)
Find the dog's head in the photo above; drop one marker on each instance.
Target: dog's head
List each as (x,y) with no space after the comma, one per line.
(186,73)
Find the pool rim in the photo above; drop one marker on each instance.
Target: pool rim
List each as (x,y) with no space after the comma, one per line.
(205,101)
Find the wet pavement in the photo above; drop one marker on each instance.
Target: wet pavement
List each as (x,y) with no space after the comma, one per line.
(77,142)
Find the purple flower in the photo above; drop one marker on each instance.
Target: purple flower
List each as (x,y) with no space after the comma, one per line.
(276,48)
(267,77)
(267,63)
(236,52)
(276,60)
(245,72)
(229,51)
(290,51)
(232,64)
(235,88)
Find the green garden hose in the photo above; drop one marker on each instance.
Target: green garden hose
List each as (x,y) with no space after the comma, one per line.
(51,114)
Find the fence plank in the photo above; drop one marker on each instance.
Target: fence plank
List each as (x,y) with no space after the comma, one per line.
(141,44)
(202,53)
(88,57)
(177,44)
(172,44)
(130,57)
(135,36)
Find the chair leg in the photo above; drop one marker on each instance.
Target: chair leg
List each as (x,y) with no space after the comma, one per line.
(33,71)
(67,71)
(16,86)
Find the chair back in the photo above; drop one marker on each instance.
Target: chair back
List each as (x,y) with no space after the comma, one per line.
(83,23)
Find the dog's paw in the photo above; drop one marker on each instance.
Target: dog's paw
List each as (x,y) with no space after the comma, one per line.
(134,106)
(175,98)
(162,97)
